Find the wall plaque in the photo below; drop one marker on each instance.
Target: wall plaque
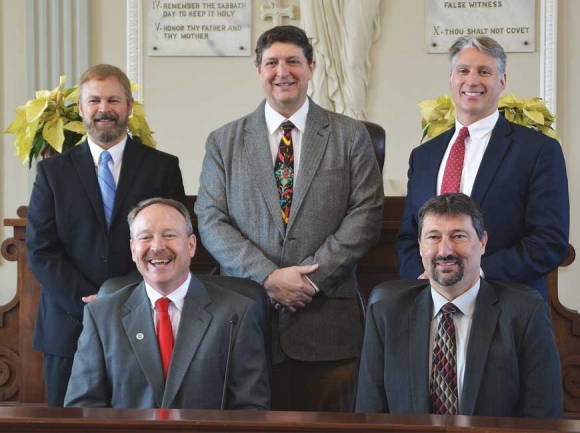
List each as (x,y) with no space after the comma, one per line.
(199,28)
(510,22)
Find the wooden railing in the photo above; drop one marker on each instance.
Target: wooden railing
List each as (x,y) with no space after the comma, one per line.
(21,378)
(26,419)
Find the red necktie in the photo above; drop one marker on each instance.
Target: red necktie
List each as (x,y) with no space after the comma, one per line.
(454,167)
(164,333)
(443,398)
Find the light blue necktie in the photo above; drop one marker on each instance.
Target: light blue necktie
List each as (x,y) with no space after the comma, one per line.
(107,185)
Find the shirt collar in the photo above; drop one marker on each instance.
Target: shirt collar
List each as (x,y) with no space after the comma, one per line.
(274,119)
(177,296)
(465,302)
(481,127)
(116,151)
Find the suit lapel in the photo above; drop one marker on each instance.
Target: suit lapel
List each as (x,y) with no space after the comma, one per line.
(314,142)
(137,321)
(429,169)
(419,332)
(132,157)
(85,167)
(483,328)
(259,159)
(192,327)
(499,144)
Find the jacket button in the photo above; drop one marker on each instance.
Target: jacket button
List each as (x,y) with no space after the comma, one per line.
(104,259)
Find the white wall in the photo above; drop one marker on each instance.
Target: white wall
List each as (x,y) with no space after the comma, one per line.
(14,177)
(187,97)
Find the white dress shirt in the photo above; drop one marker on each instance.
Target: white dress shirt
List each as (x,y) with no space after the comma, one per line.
(475,146)
(273,122)
(462,321)
(177,298)
(116,156)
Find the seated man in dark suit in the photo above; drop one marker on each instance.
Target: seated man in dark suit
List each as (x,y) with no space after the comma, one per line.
(127,355)
(459,344)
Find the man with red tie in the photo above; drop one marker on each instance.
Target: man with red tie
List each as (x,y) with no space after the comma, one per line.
(163,343)
(458,344)
(517,176)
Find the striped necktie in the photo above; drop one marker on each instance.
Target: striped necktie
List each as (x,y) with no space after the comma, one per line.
(107,185)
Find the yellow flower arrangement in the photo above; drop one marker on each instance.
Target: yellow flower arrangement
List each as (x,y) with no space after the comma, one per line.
(51,123)
(439,114)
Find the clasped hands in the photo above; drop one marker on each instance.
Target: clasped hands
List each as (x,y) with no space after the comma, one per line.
(289,289)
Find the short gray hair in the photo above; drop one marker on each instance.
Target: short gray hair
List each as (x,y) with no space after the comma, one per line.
(484,44)
(180,207)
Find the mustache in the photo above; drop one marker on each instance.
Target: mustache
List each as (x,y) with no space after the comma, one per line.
(108,116)
(448,258)
(163,255)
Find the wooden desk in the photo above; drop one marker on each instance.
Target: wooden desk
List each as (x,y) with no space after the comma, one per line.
(26,419)
(21,377)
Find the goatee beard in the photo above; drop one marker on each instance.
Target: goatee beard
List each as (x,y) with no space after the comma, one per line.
(447,278)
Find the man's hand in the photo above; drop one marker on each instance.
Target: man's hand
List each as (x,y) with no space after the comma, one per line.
(289,287)
(89,299)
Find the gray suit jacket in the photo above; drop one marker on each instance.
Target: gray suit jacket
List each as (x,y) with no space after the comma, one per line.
(335,218)
(117,363)
(512,366)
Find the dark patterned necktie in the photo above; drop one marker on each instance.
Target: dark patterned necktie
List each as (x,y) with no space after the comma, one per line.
(284,169)
(443,398)
(454,167)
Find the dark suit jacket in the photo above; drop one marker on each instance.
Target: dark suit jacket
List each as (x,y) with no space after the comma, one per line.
(512,365)
(113,367)
(69,249)
(522,189)
(335,218)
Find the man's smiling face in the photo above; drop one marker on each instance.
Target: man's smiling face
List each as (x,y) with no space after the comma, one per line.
(161,247)
(476,85)
(284,73)
(451,252)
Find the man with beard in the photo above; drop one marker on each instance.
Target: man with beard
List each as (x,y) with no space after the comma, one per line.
(458,344)
(77,234)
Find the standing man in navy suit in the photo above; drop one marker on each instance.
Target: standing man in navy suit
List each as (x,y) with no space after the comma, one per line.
(73,243)
(516,175)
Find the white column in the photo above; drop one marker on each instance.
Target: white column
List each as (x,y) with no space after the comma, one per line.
(57,33)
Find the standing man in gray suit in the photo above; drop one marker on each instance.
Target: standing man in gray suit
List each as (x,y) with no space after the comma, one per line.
(291,197)
(126,356)
(459,344)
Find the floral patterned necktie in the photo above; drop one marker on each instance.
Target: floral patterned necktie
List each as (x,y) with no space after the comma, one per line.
(284,170)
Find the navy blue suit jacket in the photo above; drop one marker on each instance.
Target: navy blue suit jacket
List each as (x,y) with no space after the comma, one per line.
(69,249)
(522,189)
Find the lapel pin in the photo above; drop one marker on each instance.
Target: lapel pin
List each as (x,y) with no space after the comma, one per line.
(139,336)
